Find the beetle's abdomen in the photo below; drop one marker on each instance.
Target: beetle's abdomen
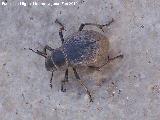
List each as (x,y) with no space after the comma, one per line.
(78,51)
(85,48)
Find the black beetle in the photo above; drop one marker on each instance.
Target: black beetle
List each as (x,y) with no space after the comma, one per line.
(82,48)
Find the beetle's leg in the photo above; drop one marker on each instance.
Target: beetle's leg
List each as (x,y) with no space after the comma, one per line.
(84,86)
(50,82)
(61,35)
(39,52)
(94,68)
(64,81)
(111,59)
(47,48)
(97,25)
(60,31)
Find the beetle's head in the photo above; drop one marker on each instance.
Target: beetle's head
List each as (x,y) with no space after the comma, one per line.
(55,60)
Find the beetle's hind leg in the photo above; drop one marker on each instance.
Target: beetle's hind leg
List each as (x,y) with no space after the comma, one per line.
(94,68)
(60,31)
(84,86)
(97,25)
(111,59)
(64,81)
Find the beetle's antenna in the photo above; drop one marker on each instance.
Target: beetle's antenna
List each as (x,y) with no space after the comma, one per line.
(38,52)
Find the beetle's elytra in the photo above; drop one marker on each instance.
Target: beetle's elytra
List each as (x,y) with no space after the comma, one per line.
(82,48)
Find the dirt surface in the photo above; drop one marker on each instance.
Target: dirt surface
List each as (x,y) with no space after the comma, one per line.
(126,89)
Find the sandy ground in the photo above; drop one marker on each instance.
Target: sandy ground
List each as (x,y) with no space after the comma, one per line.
(126,89)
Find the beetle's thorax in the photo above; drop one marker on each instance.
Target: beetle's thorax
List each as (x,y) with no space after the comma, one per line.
(58,58)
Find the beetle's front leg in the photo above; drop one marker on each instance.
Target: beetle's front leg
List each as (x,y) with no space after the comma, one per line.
(64,81)
(60,31)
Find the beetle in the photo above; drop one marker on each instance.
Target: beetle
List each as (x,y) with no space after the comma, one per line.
(82,48)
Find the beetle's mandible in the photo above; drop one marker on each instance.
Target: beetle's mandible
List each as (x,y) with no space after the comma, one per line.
(82,48)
